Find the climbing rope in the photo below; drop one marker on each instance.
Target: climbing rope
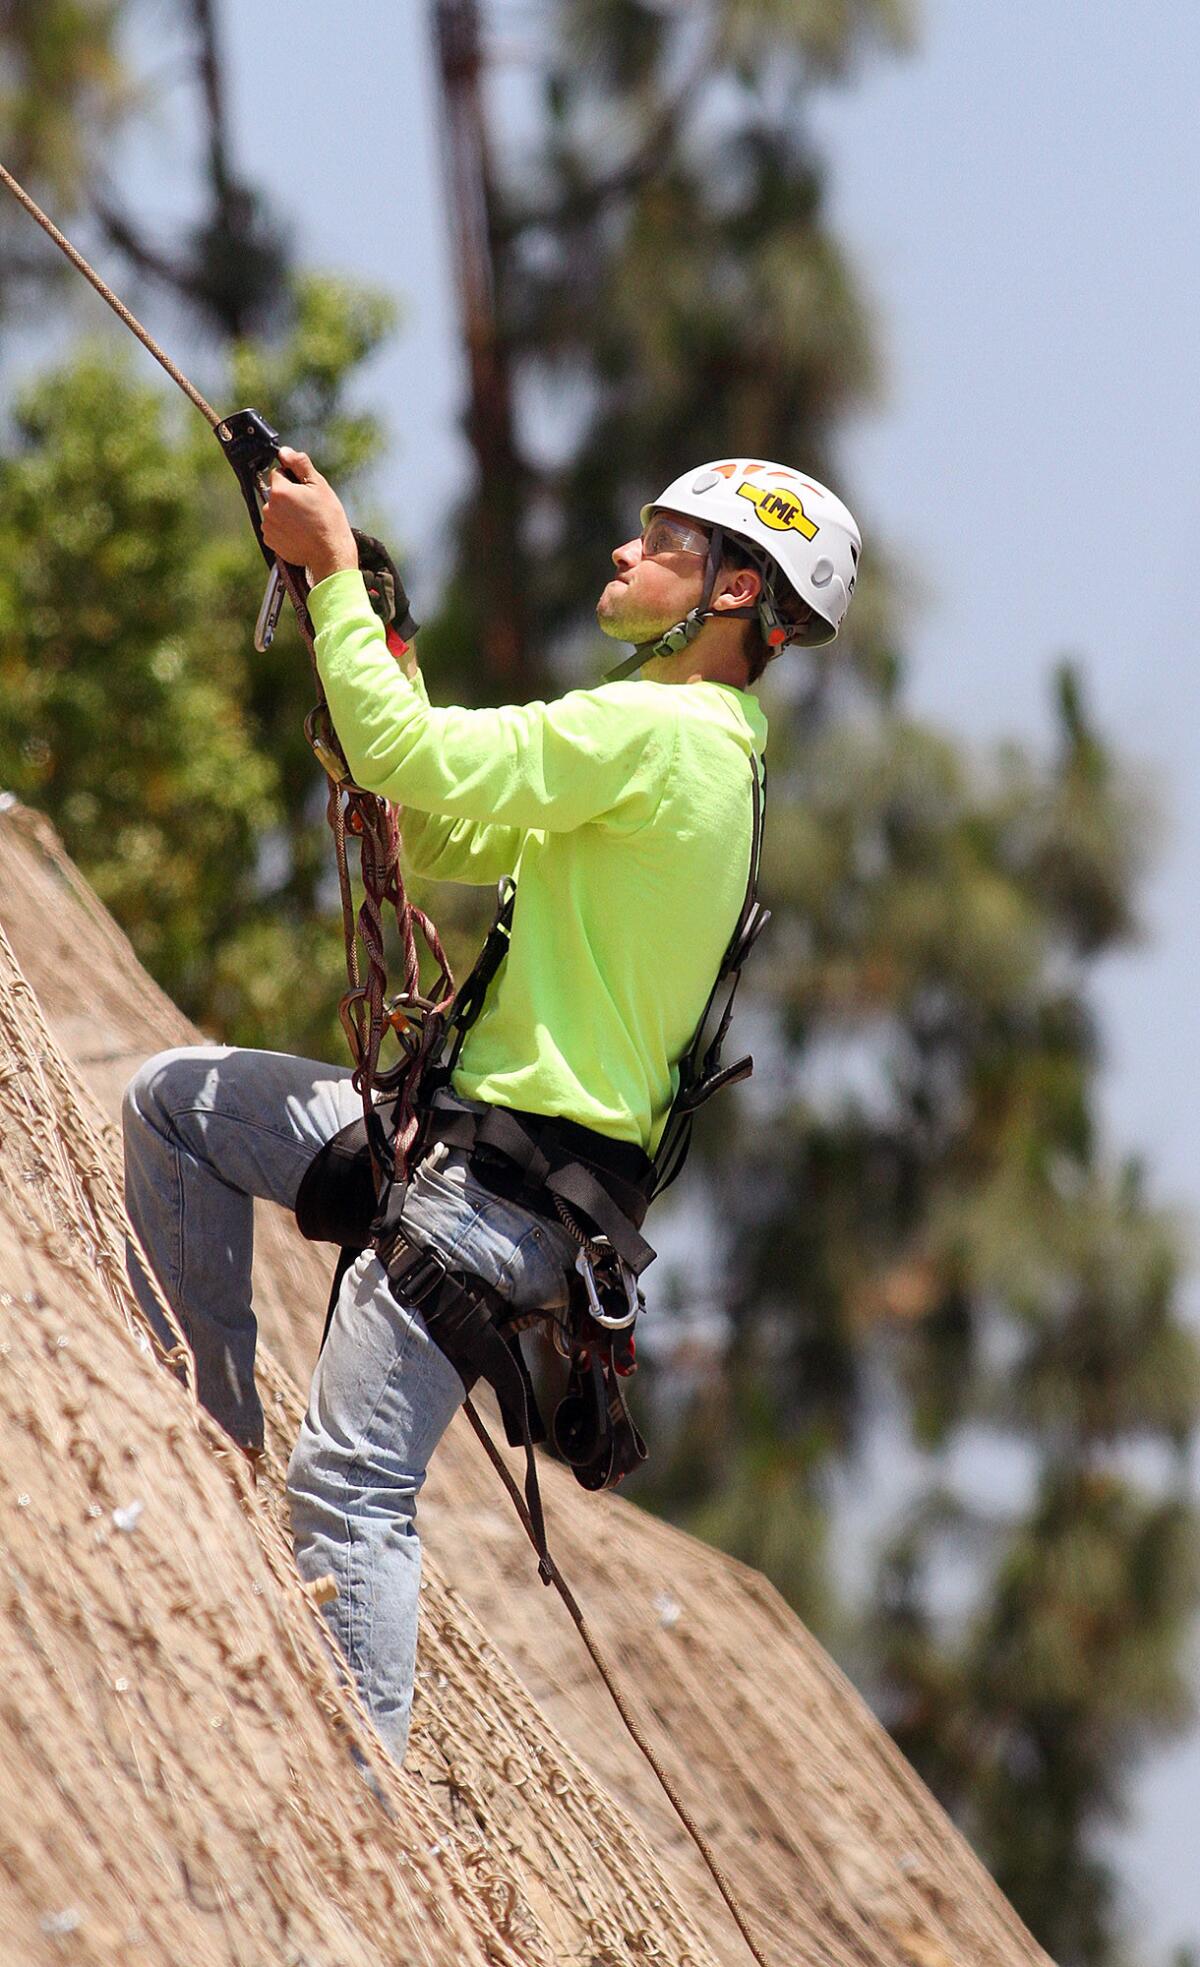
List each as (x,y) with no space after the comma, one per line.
(418,1020)
(106,293)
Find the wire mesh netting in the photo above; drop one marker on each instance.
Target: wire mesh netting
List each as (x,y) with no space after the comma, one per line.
(186,1777)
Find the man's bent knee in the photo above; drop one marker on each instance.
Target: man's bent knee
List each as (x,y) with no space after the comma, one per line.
(164,1083)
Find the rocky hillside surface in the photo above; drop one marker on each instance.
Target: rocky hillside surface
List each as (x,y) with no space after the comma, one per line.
(183,1776)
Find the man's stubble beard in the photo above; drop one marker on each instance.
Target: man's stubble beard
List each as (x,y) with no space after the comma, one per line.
(627,624)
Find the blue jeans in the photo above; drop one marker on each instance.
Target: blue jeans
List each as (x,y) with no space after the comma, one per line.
(207,1129)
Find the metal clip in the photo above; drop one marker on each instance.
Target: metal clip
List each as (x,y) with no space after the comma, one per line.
(622,1321)
(346,1013)
(269,613)
(252,448)
(397,1017)
(633,1296)
(318,729)
(396,1013)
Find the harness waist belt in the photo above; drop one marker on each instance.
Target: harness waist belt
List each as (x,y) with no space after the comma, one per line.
(527,1157)
(532,1158)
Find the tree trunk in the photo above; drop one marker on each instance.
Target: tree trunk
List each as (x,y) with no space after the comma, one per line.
(494,535)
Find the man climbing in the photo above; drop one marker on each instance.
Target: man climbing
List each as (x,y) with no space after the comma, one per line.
(627,813)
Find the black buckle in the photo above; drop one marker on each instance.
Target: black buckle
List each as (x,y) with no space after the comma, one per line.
(421,1276)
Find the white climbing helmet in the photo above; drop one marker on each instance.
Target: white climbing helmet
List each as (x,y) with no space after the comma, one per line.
(792,523)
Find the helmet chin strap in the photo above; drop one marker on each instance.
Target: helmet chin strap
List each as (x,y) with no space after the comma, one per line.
(685,632)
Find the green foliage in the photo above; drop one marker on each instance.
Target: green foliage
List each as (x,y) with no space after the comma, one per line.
(63,90)
(952,1229)
(1068,1665)
(122,710)
(133,708)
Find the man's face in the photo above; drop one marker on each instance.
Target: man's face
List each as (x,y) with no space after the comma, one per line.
(659,578)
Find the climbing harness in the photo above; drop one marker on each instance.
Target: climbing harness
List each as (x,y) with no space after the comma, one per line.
(597,1188)
(363,1172)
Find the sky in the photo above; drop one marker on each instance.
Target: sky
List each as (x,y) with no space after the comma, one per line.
(1019,195)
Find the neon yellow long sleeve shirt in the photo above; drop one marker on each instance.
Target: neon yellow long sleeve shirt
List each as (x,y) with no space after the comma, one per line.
(625,813)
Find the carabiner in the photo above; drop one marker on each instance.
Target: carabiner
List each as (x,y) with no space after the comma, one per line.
(633,1296)
(621,1323)
(318,729)
(269,613)
(345,1006)
(397,1013)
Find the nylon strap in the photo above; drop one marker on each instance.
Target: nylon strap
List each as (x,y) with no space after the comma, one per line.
(543,1161)
(460,1314)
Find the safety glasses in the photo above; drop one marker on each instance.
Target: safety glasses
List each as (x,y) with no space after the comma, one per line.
(667,533)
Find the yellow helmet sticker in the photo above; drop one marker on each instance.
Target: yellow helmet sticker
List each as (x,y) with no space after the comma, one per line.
(781,511)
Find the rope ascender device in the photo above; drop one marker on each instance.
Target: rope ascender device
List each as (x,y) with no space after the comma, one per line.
(353,1192)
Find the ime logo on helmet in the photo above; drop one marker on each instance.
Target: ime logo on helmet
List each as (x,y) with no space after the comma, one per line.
(781,511)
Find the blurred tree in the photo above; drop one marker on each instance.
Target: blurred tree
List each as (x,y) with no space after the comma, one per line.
(951,1233)
(64,92)
(662,279)
(67,94)
(491,525)
(206,835)
(133,708)
(232,266)
(911,1210)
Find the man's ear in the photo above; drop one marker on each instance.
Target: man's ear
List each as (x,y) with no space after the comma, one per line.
(736,587)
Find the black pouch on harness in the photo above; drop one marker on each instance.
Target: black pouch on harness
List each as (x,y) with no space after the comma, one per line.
(336,1201)
(594,1431)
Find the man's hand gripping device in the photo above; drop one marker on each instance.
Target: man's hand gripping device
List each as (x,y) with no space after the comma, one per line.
(252,449)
